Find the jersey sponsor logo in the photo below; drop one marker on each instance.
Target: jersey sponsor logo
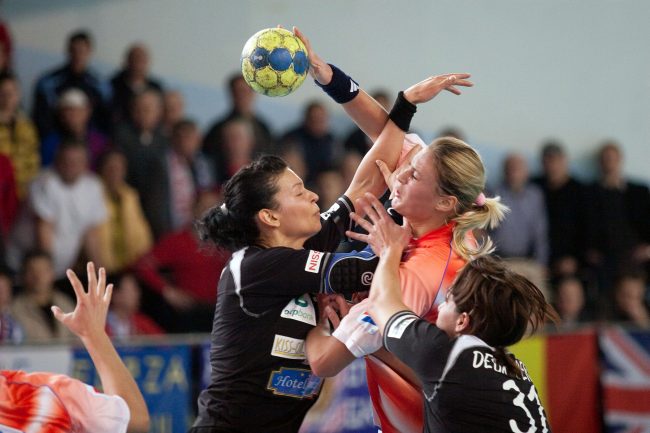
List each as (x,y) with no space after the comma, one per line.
(367,324)
(366,278)
(313,261)
(294,382)
(287,347)
(399,326)
(300,309)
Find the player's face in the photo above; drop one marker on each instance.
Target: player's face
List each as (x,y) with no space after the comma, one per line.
(415,188)
(448,316)
(298,210)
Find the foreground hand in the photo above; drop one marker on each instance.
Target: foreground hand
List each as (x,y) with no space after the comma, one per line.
(89,316)
(383,233)
(332,308)
(389,176)
(427,89)
(318,68)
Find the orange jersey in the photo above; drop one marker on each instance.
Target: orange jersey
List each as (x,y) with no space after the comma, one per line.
(54,403)
(427,270)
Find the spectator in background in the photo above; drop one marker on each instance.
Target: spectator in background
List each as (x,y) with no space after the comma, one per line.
(10,329)
(452,131)
(238,148)
(314,138)
(18,137)
(6,48)
(32,306)
(630,299)
(329,187)
(8,203)
(144,145)
(182,277)
(173,110)
(357,141)
(124,317)
(294,159)
(73,124)
(133,79)
(63,213)
(349,164)
(74,73)
(125,235)
(522,238)
(564,199)
(617,216)
(188,172)
(242,100)
(570,302)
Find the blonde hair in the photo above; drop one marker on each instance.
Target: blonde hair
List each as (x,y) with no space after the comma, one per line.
(461,174)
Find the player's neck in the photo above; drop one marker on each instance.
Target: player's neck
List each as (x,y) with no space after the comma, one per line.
(421,228)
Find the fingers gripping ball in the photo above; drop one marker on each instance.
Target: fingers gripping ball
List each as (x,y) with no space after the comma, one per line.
(274,62)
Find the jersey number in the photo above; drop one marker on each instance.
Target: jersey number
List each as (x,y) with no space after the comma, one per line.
(519,401)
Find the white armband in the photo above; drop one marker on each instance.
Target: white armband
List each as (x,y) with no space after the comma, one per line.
(358,332)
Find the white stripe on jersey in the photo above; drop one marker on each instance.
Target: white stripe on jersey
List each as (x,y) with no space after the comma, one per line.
(463,342)
(235,270)
(45,398)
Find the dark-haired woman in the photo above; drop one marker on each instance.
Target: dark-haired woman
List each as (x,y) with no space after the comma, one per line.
(282,244)
(469,380)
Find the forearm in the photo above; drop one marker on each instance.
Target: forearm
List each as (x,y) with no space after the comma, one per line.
(368,177)
(385,295)
(117,380)
(327,356)
(368,114)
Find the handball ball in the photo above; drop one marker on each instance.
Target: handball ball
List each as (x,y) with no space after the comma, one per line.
(274,62)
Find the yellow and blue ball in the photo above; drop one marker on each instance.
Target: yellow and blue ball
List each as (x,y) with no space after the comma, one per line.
(274,62)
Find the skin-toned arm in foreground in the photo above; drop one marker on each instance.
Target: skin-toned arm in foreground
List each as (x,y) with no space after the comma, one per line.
(388,241)
(328,356)
(88,321)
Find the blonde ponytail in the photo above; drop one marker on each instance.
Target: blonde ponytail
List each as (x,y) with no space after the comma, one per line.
(461,174)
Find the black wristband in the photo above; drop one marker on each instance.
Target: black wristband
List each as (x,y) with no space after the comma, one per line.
(402,112)
(342,88)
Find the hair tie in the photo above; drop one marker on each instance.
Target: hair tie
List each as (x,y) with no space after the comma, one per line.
(224,209)
(480,200)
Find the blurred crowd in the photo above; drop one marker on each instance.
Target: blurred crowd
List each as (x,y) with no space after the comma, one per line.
(114,171)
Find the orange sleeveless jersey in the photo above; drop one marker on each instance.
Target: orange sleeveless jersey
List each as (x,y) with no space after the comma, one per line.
(54,403)
(427,270)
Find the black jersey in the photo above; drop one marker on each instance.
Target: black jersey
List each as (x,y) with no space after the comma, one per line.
(465,388)
(260,380)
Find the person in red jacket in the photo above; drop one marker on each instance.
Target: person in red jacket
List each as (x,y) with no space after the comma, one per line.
(180,277)
(125,318)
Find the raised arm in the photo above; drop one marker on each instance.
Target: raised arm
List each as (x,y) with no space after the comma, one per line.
(367,113)
(88,321)
(388,146)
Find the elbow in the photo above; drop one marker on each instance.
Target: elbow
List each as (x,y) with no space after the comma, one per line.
(320,361)
(139,423)
(321,368)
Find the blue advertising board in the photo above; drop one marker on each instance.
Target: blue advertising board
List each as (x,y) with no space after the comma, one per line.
(162,373)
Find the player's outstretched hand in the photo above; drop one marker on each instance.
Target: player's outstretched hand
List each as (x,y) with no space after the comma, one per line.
(318,68)
(427,89)
(383,233)
(89,316)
